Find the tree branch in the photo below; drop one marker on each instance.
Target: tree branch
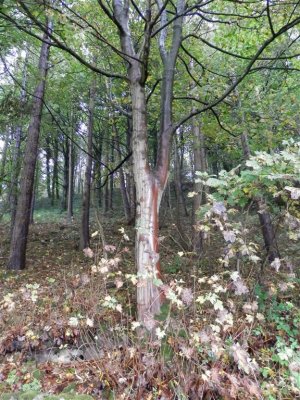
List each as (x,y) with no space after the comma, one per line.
(256,57)
(59,44)
(269,18)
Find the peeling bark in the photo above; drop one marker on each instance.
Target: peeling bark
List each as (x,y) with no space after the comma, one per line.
(150,183)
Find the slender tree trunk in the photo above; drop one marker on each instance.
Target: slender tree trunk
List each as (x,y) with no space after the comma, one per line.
(98,170)
(48,170)
(126,205)
(178,163)
(106,187)
(264,216)
(180,203)
(200,164)
(14,188)
(70,183)
(123,189)
(85,218)
(65,188)
(17,258)
(245,145)
(55,186)
(13,196)
(130,185)
(111,177)
(3,161)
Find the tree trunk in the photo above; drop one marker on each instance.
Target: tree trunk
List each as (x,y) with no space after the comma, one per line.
(263,214)
(180,203)
(267,230)
(14,188)
(32,206)
(3,161)
(98,169)
(149,184)
(55,186)
(48,170)
(17,258)
(35,192)
(65,186)
(70,183)
(105,201)
(200,164)
(111,177)
(123,189)
(13,196)
(148,196)
(130,185)
(85,218)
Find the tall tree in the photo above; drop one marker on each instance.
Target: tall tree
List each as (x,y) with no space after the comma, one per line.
(18,244)
(200,164)
(150,183)
(143,28)
(70,195)
(85,217)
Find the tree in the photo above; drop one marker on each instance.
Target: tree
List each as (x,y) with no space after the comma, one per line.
(152,33)
(85,217)
(18,244)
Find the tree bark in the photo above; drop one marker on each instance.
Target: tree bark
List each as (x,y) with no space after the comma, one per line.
(180,203)
(105,200)
(48,169)
(148,195)
(130,184)
(111,177)
(264,216)
(65,186)
(17,258)
(3,161)
(14,188)
(123,188)
(85,217)
(55,185)
(150,184)
(13,195)
(200,164)
(70,183)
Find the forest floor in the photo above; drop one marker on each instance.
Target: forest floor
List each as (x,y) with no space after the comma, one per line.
(68,327)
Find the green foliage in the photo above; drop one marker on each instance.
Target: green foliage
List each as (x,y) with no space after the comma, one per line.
(271,177)
(175,266)
(34,385)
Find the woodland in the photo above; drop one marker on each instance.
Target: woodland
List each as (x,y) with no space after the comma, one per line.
(149,199)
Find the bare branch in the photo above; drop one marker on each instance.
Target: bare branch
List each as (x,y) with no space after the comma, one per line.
(153,90)
(269,18)
(138,10)
(57,43)
(244,57)
(256,57)
(201,65)
(95,33)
